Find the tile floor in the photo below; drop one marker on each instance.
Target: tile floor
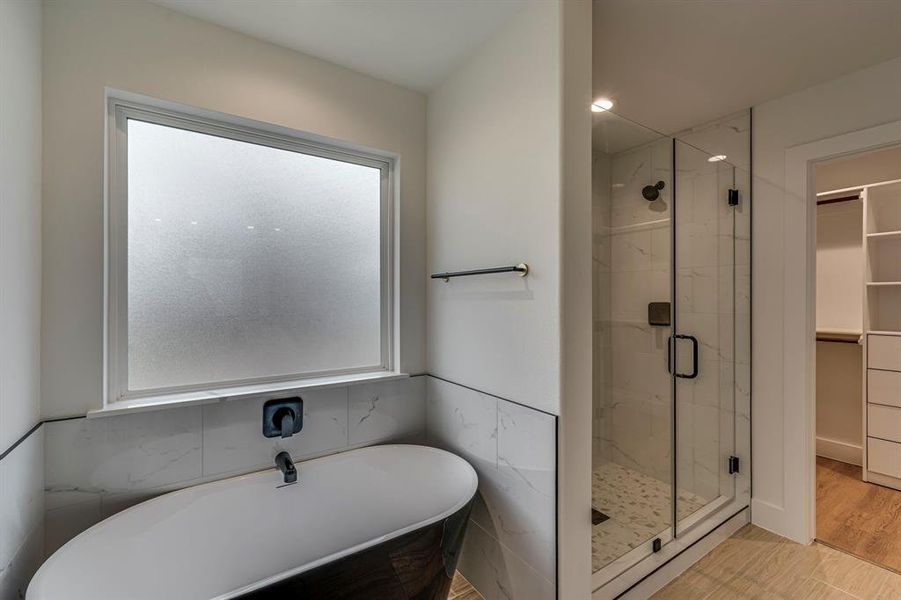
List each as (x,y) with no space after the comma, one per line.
(754,563)
(638,507)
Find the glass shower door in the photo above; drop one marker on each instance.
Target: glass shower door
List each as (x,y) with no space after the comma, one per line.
(704,337)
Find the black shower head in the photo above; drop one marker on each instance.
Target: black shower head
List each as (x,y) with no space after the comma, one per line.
(652,192)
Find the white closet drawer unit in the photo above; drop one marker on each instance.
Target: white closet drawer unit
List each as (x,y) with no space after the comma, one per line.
(884,352)
(884,387)
(884,422)
(884,457)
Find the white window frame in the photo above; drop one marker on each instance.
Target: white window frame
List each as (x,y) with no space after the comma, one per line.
(123,106)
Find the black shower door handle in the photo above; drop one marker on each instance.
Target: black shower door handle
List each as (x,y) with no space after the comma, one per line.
(694,356)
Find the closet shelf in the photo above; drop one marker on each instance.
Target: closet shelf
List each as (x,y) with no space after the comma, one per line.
(883,283)
(838,331)
(838,335)
(884,235)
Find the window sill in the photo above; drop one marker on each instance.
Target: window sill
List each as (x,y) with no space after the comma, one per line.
(163,401)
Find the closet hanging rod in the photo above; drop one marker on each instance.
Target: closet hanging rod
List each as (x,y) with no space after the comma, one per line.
(839,338)
(836,200)
(522,269)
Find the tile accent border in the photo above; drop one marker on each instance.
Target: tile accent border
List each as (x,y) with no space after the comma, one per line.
(33,429)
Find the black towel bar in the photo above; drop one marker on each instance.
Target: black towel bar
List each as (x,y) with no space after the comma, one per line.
(522,269)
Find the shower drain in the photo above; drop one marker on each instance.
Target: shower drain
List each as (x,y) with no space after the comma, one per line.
(597,516)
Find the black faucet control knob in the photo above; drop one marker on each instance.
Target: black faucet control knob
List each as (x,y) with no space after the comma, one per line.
(282,417)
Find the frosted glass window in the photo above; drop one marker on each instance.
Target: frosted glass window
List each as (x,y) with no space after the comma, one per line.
(247,261)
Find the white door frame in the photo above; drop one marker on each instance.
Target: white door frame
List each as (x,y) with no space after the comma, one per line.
(799,237)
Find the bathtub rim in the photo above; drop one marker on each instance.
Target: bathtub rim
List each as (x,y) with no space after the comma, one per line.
(372,542)
(469,474)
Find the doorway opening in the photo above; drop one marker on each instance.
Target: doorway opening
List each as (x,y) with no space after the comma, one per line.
(858,355)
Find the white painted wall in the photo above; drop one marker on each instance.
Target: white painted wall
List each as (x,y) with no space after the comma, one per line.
(509,181)
(576,328)
(494,199)
(839,414)
(21,469)
(20,218)
(781,360)
(840,266)
(871,167)
(839,306)
(143,48)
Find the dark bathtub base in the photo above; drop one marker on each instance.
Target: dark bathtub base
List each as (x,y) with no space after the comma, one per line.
(415,566)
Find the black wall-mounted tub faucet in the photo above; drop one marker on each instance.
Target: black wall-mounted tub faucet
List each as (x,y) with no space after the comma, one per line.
(282,417)
(284,464)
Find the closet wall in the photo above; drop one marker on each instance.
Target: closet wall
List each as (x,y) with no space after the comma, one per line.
(881,165)
(839,326)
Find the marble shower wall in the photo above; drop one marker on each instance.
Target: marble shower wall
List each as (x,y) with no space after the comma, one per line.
(21,514)
(600,265)
(97,467)
(510,546)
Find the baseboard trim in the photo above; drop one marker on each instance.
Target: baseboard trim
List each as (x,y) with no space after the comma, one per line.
(840,451)
(884,480)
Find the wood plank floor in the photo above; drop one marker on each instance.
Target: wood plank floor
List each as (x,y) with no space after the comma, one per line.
(754,563)
(860,518)
(462,589)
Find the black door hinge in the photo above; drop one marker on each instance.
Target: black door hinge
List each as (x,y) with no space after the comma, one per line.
(734,465)
(733,197)
(656,545)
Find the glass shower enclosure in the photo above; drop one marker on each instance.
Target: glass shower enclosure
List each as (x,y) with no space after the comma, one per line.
(671,397)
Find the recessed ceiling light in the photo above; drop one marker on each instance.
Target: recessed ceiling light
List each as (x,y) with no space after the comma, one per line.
(717,158)
(601,104)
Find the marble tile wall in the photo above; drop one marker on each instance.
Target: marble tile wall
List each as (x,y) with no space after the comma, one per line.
(97,467)
(21,514)
(510,547)
(602,355)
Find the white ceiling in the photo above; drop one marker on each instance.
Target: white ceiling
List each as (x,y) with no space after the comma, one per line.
(668,64)
(413,43)
(674,64)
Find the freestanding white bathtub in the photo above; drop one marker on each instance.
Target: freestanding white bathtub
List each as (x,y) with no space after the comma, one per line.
(378,522)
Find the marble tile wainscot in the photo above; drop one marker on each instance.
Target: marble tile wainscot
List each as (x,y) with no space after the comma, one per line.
(97,467)
(510,546)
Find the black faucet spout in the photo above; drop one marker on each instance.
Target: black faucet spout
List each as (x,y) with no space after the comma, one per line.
(284,464)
